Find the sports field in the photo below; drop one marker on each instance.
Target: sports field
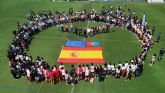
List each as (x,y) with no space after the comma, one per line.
(120,45)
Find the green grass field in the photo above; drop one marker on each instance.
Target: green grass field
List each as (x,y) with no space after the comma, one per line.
(117,46)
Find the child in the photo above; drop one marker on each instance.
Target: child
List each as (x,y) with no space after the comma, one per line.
(128,75)
(63,73)
(47,74)
(79,72)
(51,78)
(123,70)
(109,69)
(92,69)
(118,72)
(87,73)
(92,78)
(66,77)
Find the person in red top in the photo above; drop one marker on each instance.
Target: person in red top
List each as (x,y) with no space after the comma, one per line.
(123,70)
(57,74)
(79,72)
(66,27)
(120,23)
(11,63)
(47,75)
(51,80)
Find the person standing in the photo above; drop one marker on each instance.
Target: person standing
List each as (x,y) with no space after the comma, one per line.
(153,30)
(158,38)
(153,59)
(62,28)
(100,74)
(66,28)
(129,71)
(161,52)
(71,28)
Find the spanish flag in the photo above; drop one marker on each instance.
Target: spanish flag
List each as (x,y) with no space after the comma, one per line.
(81,55)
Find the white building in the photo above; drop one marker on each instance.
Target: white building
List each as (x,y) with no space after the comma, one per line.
(156,1)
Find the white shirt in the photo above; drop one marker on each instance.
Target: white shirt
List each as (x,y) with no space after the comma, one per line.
(113,67)
(92,69)
(123,68)
(63,72)
(126,65)
(66,76)
(133,67)
(28,72)
(118,71)
(120,65)
(86,72)
(61,66)
(153,58)
(109,67)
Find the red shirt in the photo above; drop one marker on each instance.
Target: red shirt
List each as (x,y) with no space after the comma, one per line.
(80,69)
(11,63)
(47,73)
(57,72)
(51,75)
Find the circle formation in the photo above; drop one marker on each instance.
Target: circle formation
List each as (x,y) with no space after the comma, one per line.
(22,64)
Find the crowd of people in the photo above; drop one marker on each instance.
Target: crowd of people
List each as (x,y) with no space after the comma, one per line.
(86,31)
(38,70)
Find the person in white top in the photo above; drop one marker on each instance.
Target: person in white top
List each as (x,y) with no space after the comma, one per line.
(120,64)
(109,69)
(87,74)
(92,73)
(126,64)
(153,59)
(28,74)
(63,73)
(105,69)
(92,69)
(61,66)
(118,73)
(128,75)
(66,77)
(113,69)
(134,67)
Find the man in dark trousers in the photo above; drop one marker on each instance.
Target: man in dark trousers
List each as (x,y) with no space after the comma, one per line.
(161,52)
(101,74)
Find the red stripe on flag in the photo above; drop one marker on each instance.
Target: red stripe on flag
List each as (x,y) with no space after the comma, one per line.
(81,60)
(89,44)
(86,49)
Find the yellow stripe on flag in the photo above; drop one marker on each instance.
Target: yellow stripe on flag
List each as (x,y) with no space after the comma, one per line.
(80,54)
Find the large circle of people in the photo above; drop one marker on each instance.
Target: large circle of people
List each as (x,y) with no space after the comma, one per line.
(23,65)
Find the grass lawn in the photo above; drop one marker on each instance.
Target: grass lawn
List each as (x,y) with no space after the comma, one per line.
(117,46)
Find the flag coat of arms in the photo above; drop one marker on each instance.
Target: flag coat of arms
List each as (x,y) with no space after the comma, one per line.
(81,55)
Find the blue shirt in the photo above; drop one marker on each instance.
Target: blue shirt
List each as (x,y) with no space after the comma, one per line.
(158,37)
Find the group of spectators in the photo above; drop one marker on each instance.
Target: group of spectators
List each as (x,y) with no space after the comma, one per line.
(38,70)
(86,31)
